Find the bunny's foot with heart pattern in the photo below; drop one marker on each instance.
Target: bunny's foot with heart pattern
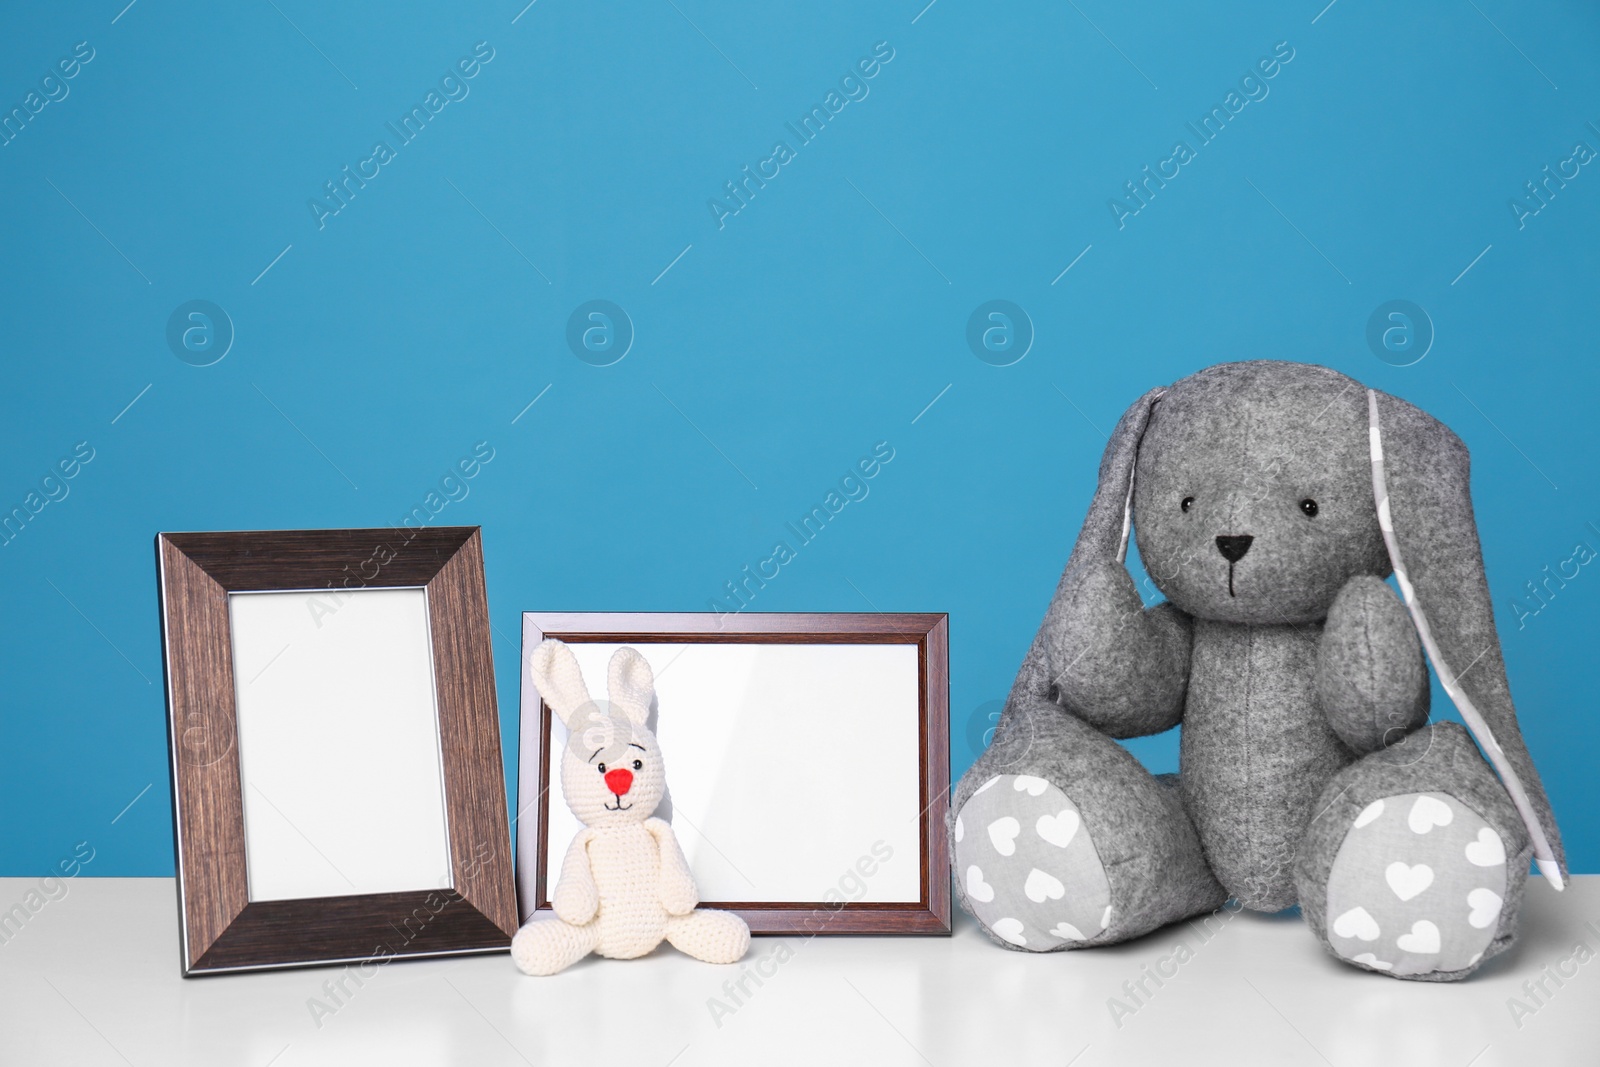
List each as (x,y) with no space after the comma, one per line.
(1084,850)
(1424,881)
(1027,865)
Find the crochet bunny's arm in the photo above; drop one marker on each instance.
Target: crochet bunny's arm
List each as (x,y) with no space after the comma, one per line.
(1118,665)
(1371,681)
(679,895)
(576,898)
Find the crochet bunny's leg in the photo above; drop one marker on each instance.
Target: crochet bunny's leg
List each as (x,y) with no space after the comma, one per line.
(1415,865)
(546,946)
(1061,839)
(711,936)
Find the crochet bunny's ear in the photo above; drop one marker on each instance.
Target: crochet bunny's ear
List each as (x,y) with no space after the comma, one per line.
(1420,483)
(559,680)
(630,684)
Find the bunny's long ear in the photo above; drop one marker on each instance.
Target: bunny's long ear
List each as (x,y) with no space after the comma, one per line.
(1110,519)
(1103,537)
(1420,482)
(630,684)
(556,673)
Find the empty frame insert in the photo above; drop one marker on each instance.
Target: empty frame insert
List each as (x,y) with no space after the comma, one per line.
(337,782)
(807,762)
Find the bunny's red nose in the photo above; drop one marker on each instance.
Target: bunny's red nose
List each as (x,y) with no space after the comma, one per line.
(619,781)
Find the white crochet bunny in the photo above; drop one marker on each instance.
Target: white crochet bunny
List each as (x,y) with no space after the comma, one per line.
(625,884)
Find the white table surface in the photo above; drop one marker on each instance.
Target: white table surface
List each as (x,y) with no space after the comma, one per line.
(93,979)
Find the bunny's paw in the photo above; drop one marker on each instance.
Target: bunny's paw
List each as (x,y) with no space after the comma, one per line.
(680,896)
(1417,888)
(1027,867)
(546,946)
(710,936)
(575,901)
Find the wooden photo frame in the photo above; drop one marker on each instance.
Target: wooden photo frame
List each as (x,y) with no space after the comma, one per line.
(341,799)
(811,749)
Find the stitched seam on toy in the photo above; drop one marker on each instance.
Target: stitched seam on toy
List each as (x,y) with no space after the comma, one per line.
(1370,697)
(1253,880)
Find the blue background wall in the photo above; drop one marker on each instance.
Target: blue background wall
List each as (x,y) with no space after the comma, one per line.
(375,349)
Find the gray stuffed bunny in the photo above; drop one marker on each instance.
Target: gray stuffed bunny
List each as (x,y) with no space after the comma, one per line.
(1270,500)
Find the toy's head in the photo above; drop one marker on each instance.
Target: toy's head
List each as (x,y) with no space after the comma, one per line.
(1253,492)
(1257,490)
(611,771)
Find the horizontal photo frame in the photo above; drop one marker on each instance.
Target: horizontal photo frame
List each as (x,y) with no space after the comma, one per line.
(807,762)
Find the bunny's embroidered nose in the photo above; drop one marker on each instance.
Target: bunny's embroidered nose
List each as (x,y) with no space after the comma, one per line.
(619,781)
(1233,548)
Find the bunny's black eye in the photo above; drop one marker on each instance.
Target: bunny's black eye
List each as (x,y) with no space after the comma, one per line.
(1309,506)
(638,765)
(602,768)
(1186,503)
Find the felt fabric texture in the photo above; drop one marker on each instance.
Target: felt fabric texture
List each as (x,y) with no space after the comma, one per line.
(1431,511)
(1372,681)
(1417,886)
(1246,444)
(1121,668)
(1255,753)
(1284,658)
(1439,759)
(1029,866)
(625,885)
(1051,664)
(1144,841)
